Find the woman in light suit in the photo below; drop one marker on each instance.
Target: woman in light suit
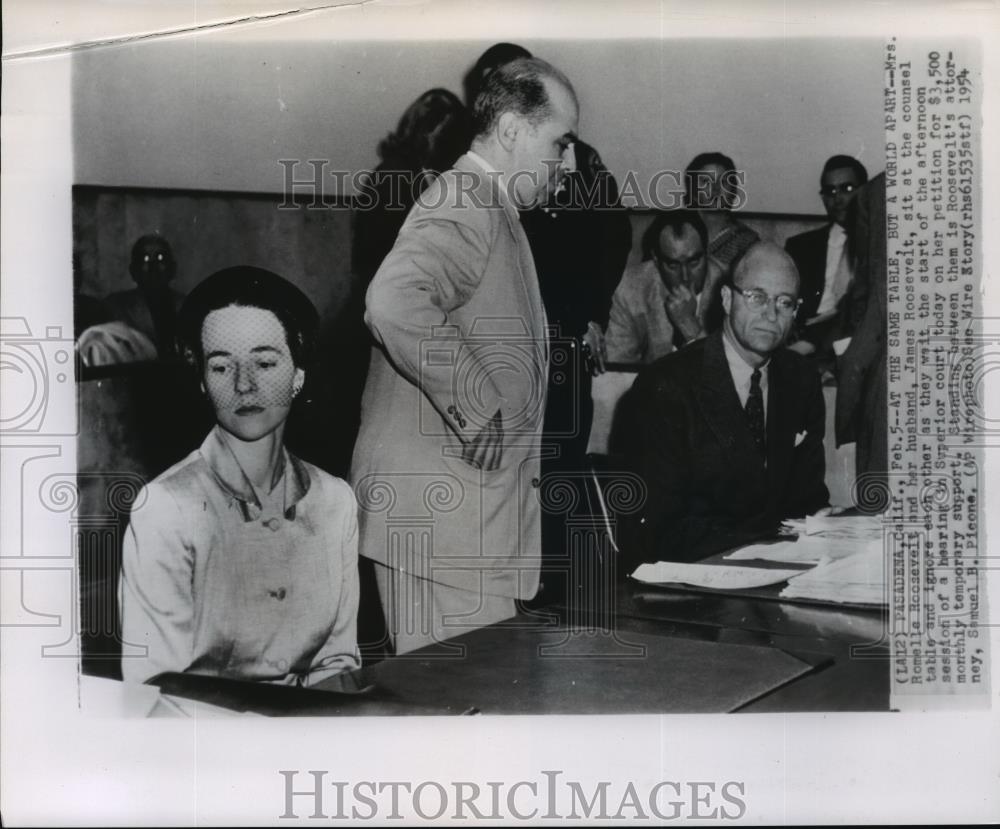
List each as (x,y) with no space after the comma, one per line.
(241,560)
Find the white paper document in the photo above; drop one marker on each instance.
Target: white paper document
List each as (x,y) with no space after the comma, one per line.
(837,526)
(808,549)
(715,576)
(856,579)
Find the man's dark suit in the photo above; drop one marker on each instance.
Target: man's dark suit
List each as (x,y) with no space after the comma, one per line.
(808,250)
(708,489)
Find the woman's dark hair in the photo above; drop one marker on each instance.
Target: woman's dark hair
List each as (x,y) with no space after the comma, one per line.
(702,160)
(699,163)
(249,287)
(432,133)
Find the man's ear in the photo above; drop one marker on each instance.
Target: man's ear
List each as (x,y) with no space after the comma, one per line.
(727,298)
(509,126)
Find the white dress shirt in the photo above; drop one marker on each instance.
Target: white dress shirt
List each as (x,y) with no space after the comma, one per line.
(493,173)
(838,271)
(742,372)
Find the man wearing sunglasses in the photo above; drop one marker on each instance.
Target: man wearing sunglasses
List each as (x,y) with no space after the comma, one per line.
(825,261)
(730,439)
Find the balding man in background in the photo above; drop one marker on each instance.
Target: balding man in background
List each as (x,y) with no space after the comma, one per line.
(730,440)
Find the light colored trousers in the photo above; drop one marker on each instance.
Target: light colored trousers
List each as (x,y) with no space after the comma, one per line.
(419,612)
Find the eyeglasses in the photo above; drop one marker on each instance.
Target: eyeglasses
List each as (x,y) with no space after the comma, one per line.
(834,189)
(758,299)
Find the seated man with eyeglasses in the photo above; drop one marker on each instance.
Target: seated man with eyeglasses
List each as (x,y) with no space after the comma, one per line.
(826,263)
(729,438)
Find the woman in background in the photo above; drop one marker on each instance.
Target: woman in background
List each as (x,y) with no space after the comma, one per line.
(432,133)
(713,187)
(241,560)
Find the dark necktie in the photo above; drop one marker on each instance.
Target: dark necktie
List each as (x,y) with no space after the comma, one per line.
(755,412)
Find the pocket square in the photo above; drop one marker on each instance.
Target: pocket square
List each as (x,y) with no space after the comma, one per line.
(801,436)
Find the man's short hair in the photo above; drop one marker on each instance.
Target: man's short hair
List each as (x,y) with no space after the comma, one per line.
(517,86)
(675,220)
(841,162)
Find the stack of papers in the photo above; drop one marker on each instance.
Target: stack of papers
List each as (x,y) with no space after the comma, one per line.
(857,579)
(715,576)
(847,553)
(808,549)
(857,527)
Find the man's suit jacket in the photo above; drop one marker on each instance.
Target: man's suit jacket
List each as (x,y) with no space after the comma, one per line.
(862,394)
(133,308)
(708,488)
(809,252)
(580,244)
(460,329)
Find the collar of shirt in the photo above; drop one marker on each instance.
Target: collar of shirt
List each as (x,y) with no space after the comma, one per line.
(837,237)
(741,371)
(233,480)
(493,174)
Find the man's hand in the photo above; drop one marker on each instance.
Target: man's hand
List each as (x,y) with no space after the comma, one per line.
(485,450)
(682,311)
(593,340)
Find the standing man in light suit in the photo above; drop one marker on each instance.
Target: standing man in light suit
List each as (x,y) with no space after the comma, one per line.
(447,460)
